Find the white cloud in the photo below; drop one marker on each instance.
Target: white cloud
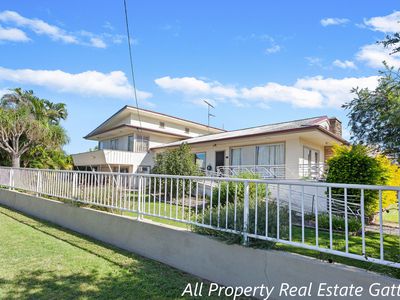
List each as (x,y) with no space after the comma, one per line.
(333,21)
(193,86)
(281,93)
(346,64)
(314,61)
(373,55)
(310,92)
(387,24)
(335,92)
(90,83)
(38,26)
(273,49)
(13,35)
(97,42)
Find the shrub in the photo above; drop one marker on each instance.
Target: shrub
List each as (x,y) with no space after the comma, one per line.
(393,178)
(261,217)
(338,223)
(230,189)
(179,161)
(355,165)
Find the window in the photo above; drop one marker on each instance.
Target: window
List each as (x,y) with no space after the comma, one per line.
(273,154)
(200,160)
(187,130)
(130,143)
(143,169)
(162,125)
(236,157)
(141,143)
(101,145)
(114,144)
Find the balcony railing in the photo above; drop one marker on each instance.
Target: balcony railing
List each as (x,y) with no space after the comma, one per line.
(300,171)
(105,156)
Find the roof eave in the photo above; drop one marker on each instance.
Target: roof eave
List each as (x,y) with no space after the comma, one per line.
(293,130)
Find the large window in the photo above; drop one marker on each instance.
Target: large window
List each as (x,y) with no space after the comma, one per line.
(200,159)
(114,144)
(141,143)
(101,145)
(273,154)
(236,157)
(130,143)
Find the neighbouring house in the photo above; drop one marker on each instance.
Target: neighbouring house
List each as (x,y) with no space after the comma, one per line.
(129,140)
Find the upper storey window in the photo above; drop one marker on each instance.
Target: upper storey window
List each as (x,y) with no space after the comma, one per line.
(162,125)
(187,130)
(114,144)
(142,143)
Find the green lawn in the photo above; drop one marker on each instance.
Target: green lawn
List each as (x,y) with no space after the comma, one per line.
(391,216)
(39,260)
(391,249)
(391,242)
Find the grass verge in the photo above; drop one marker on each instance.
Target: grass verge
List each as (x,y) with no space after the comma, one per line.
(39,260)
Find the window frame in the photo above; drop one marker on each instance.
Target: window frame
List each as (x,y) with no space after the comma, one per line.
(204,161)
(283,144)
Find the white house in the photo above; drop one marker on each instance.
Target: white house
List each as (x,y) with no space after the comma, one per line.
(129,140)
(126,138)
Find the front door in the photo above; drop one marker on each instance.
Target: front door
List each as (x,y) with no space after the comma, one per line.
(219,159)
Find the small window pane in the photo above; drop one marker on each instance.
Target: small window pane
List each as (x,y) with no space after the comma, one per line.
(200,159)
(236,157)
(130,143)
(141,143)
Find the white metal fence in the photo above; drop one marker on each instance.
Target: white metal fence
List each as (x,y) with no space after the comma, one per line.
(310,215)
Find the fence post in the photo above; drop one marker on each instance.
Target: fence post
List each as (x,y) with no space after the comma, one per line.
(398,207)
(73,185)
(38,181)
(246,213)
(140,198)
(11,179)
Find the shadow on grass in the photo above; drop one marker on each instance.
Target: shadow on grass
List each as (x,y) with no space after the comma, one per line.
(132,277)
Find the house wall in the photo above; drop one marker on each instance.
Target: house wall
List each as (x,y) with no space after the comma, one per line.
(294,144)
(170,127)
(155,140)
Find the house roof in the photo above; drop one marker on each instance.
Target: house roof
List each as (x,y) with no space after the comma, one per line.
(283,127)
(99,129)
(133,127)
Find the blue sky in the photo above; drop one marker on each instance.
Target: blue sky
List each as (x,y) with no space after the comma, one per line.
(258,61)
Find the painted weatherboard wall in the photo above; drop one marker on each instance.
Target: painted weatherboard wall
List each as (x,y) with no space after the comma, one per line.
(230,265)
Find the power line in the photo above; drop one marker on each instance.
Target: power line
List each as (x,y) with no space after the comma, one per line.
(131,64)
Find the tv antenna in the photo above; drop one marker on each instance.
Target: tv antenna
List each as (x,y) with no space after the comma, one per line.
(209,114)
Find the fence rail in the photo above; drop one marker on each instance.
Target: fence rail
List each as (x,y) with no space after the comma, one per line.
(297,213)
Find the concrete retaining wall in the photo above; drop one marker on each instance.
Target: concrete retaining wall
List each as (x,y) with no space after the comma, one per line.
(230,265)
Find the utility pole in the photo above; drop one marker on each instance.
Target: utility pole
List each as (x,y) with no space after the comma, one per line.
(209,114)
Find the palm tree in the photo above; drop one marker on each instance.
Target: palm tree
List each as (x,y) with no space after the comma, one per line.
(27,121)
(55,111)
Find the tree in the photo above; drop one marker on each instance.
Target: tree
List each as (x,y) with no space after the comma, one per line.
(26,122)
(356,165)
(392,41)
(178,161)
(41,157)
(375,114)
